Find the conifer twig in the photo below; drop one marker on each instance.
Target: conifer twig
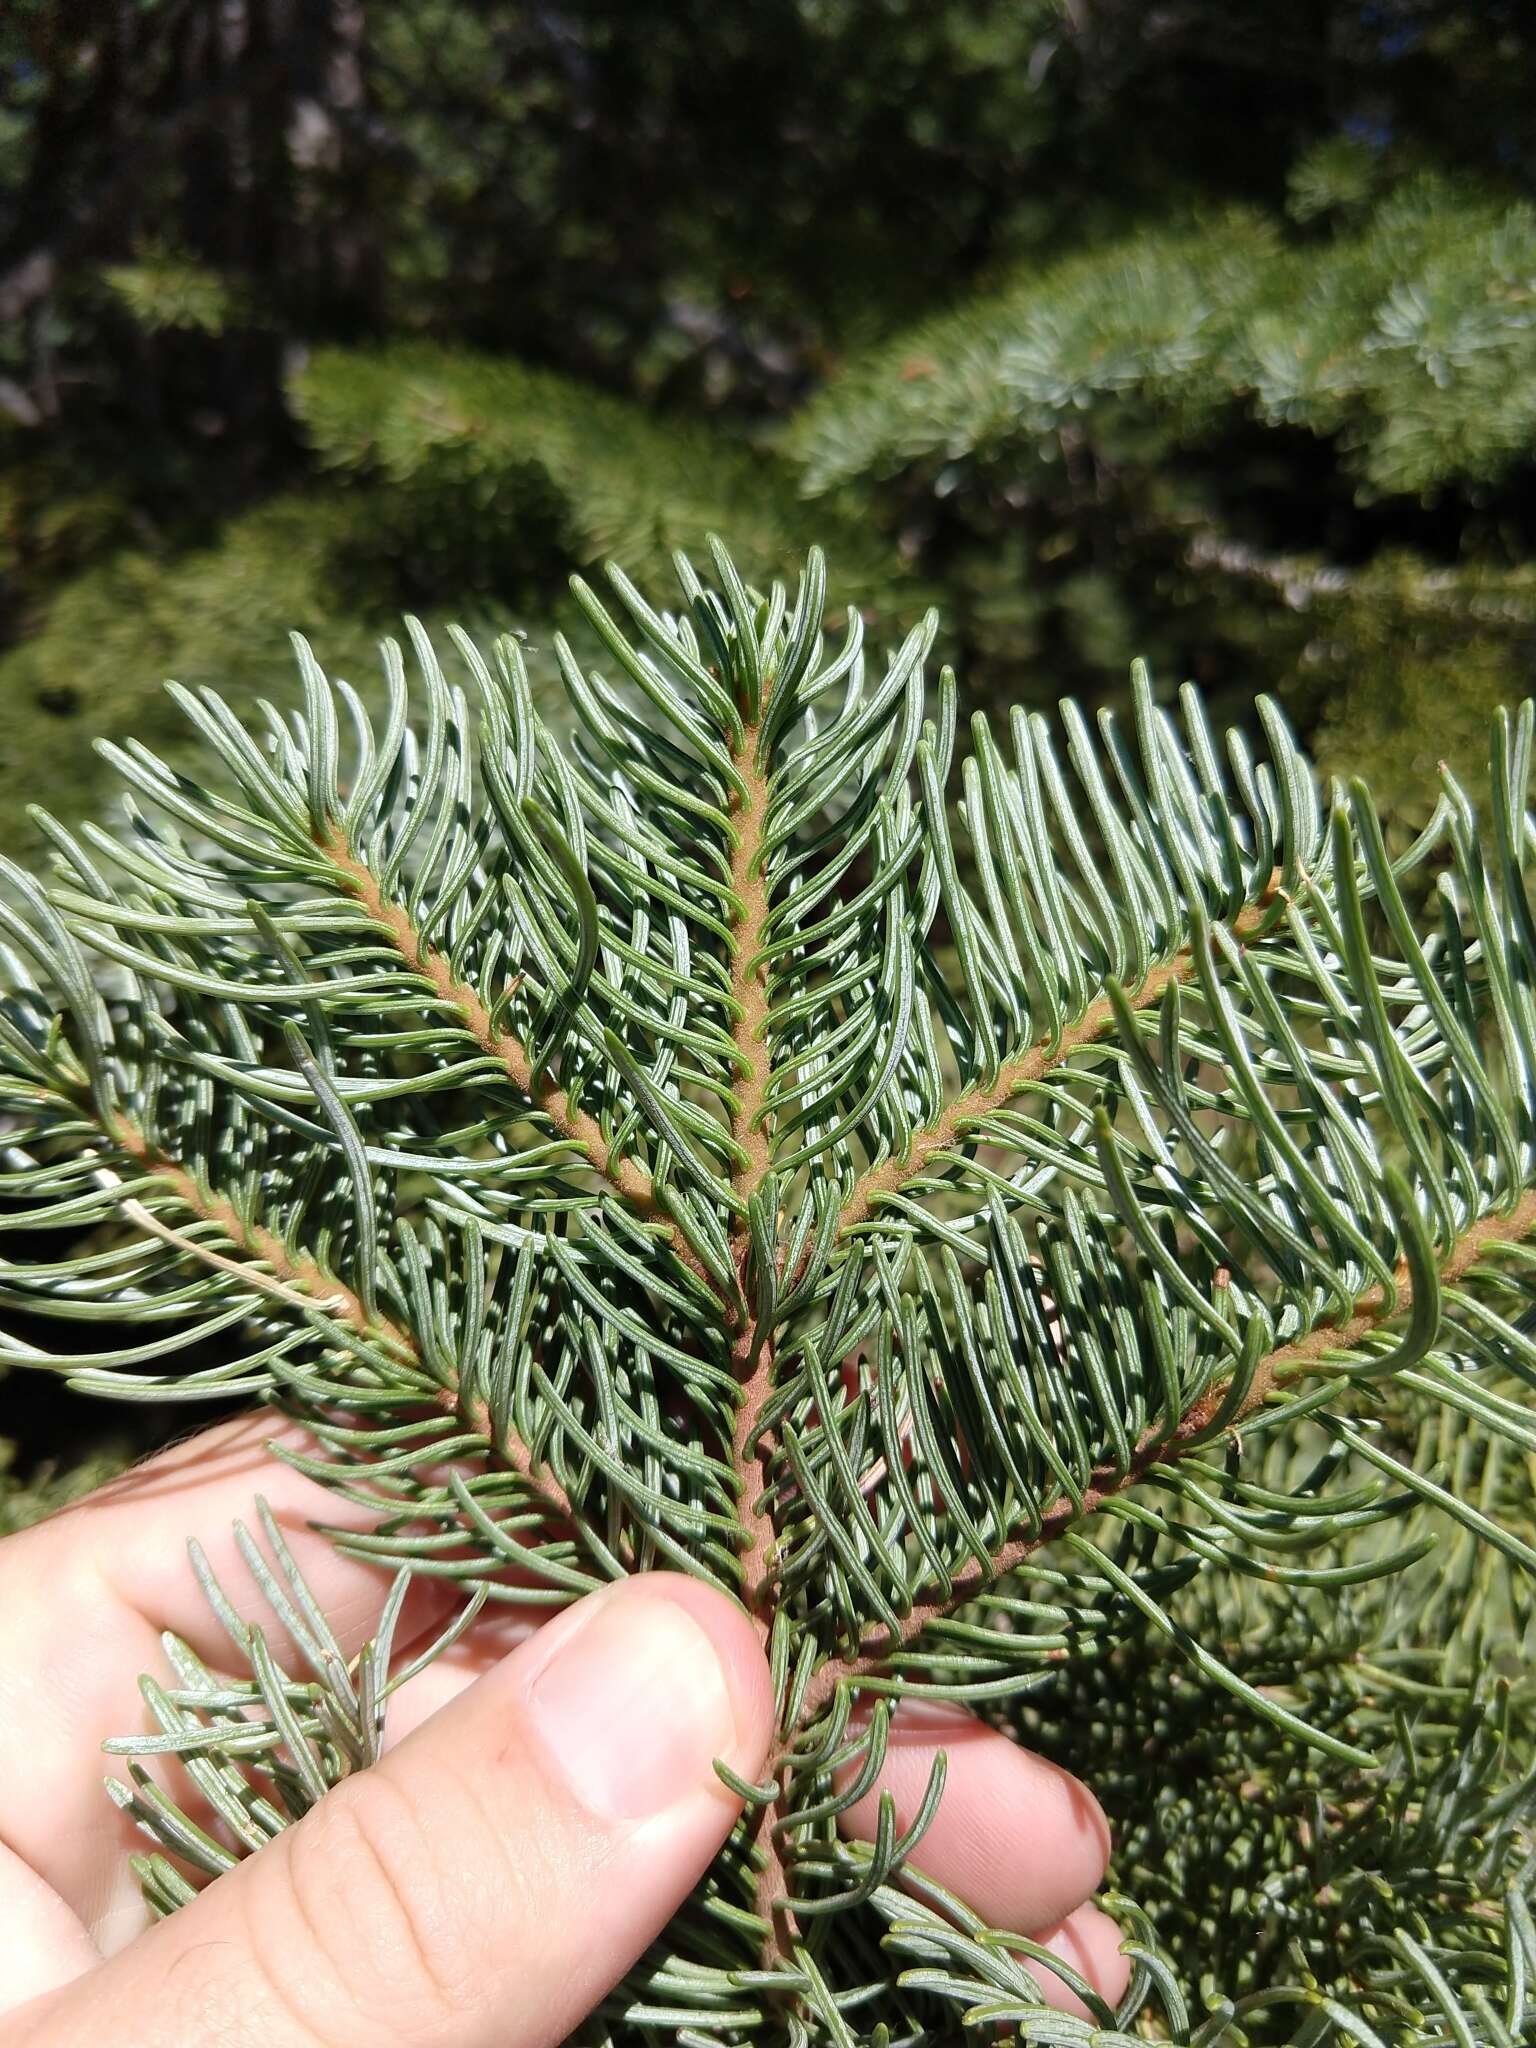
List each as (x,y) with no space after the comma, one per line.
(543,1093)
(1286,1362)
(1016,1076)
(752,1348)
(766,910)
(300,1275)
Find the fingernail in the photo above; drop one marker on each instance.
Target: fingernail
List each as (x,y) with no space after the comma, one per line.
(1090,1941)
(634,1704)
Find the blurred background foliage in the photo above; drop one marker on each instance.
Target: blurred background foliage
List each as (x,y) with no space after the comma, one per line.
(1203,330)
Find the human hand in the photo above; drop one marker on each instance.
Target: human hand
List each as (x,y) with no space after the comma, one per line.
(546,1803)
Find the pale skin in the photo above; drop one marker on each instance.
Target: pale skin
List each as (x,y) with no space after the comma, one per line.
(546,1802)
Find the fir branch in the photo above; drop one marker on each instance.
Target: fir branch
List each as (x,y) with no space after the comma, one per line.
(539,1088)
(911,1155)
(874,1658)
(973,1105)
(302,1272)
(1374,1312)
(299,1271)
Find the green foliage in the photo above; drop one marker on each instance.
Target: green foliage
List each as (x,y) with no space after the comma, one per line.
(308,1734)
(1137,340)
(1043,1224)
(702,193)
(25,1500)
(1252,289)
(98,663)
(481,458)
(164,288)
(1409,666)
(445,472)
(1129,420)
(1264,1866)
(1407,336)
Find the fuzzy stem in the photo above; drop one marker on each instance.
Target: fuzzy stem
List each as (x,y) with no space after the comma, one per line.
(749,988)
(772,1884)
(1015,1076)
(752,1350)
(546,1095)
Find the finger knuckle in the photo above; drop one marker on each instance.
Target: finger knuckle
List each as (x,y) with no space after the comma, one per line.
(370,1898)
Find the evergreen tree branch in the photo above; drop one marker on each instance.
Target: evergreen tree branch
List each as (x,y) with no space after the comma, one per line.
(1018,1075)
(301,1272)
(1374,1310)
(295,1278)
(1038,1120)
(541,1090)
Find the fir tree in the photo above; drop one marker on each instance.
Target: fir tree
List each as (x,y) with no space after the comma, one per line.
(1308,436)
(1045,1225)
(444,471)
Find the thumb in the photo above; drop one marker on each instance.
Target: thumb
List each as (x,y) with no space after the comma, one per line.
(489,1879)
